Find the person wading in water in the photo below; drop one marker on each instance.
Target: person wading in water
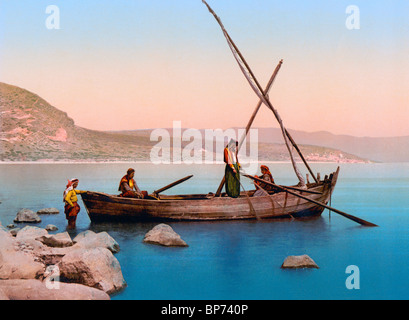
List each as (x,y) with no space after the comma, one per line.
(71,207)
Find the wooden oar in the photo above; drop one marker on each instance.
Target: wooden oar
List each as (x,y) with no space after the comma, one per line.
(269,198)
(303,190)
(249,201)
(346,215)
(156,192)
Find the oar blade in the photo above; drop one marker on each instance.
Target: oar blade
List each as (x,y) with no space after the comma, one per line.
(346,215)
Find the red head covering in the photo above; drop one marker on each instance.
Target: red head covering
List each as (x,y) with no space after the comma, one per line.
(267,171)
(71,182)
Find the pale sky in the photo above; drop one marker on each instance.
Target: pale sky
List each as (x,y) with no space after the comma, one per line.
(135,64)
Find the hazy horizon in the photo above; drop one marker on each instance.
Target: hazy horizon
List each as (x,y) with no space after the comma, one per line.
(129,65)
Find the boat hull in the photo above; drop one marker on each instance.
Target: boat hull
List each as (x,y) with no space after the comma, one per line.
(103,207)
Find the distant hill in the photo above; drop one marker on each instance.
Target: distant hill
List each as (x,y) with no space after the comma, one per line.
(33,130)
(394,149)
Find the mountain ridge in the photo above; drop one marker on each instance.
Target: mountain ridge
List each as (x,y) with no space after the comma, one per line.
(33,130)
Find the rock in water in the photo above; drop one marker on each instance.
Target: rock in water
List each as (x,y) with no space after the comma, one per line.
(27,215)
(48,211)
(51,227)
(296,262)
(90,239)
(164,235)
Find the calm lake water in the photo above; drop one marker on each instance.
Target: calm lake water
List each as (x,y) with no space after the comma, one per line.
(240,260)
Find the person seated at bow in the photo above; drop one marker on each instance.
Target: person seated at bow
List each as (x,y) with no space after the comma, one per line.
(261,186)
(128,184)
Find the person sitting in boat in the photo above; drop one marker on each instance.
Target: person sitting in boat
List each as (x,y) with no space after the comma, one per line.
(71,207)
(128,184)
(261,186)
(232,173)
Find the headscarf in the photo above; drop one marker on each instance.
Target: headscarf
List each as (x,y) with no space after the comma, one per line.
(69,187)
(267,171)
(231,148)
(232,145)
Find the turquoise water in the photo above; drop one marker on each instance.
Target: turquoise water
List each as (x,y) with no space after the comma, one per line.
(240,260)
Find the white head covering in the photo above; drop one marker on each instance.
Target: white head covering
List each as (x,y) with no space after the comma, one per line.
(232,144)
(69,187)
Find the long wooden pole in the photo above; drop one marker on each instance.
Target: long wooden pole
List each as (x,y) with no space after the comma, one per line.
(346,215)
(266,91)
(256,87)
(300,154)
(172,184)
(253,116)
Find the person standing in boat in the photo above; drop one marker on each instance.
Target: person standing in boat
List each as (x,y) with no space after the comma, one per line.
(266,176)
(128,184)
(71,207)
(232,170)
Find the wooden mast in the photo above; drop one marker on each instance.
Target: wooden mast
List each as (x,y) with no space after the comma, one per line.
(257,88)
(253,116)
(267,89)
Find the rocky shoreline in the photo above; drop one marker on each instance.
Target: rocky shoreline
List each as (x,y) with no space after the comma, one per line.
(58,267)
(37,265)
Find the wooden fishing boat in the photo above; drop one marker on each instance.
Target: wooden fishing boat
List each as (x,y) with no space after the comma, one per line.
(309,200)
(208,207)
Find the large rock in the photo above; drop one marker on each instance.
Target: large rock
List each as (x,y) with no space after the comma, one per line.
(3,295)
(295,262)
(48,211)
(29,232)
(27,215)
(17,262)
(59,240)
(164,235)
(38,290)
(96,268)
(24,257)
(89,239)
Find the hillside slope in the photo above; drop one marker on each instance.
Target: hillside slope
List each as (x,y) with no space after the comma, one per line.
(33,130)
